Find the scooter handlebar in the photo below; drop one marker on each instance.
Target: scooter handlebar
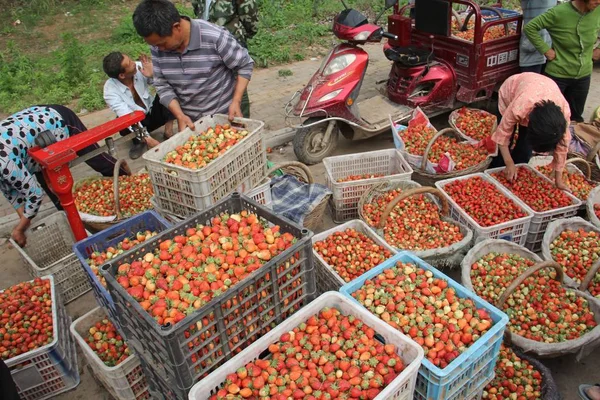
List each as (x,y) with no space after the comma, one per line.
(389,35)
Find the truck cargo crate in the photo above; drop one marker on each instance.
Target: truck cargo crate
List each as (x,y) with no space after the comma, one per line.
(401,388)
(111,237)
(51,253)
(125,381)
(184,353)
(471,370)
(514,231)
(44,372)
(344,202)
(327,278)
(540,220)
(183,191)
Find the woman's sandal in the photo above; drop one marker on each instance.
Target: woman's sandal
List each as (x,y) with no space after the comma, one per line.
(583,391)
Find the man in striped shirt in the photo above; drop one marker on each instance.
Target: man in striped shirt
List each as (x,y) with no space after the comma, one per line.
(199,68)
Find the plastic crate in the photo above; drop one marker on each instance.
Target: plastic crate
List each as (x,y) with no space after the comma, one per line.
(184,353)
(344,202)
(262,194)
(148,220)
(513,231)
(50,252)
(51,369)
(125,381)
(401,388)
(570,167)
(540,220)
(327,278)
(184,192)
(463,377)
(174,219)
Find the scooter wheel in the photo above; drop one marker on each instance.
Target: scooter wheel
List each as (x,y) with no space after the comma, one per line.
(308,143)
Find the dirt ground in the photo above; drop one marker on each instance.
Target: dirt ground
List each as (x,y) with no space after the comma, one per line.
(267,105)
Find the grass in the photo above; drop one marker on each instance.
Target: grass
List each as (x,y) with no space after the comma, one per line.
(54,56)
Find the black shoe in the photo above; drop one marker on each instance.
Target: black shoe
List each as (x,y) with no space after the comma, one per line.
(137,150)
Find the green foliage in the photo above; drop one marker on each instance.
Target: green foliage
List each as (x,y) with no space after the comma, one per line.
(285,72)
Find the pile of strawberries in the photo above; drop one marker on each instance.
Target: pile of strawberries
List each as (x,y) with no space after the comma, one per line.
(25,318)
(186,272)
(476,124)
(106,342)
(538,193)
(202,149)
(515,378)
(483,201)
(98,258)
(576,251)
(580,186)
(597,210)
(330,356)
(417,136)
(351,253)
(96,197)
(426,308)
(351,178)
(414,224)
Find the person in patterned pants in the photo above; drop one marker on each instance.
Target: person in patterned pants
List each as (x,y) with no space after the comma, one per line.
(240,17)
(21,178)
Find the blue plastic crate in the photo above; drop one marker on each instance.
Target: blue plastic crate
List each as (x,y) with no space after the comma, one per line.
(399,128)
(146,221)
(466,374)
(506,13)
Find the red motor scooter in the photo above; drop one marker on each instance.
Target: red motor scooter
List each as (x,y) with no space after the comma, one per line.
(432,69)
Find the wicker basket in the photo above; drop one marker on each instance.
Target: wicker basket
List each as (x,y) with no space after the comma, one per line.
(301,171)
(425,178)
(97,226)
(453,117)
(593,199)
(443,257)
(592,157)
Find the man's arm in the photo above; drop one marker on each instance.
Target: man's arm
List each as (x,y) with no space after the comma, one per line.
(533,28)
(248,14)
(114,101)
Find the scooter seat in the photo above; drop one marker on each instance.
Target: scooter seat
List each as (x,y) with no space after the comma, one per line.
(408,56)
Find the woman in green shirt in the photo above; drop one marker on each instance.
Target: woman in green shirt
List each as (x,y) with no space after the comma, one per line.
(573,27)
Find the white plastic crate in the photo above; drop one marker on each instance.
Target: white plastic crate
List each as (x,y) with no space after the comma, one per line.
(51,369)
(344,202)
(327,278)
(540,220)
(125,381)
(262,194)
(184,192)
(49,251)
(174,219)
(514,231)
(401,388)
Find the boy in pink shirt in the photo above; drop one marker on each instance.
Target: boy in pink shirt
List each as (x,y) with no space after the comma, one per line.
(534,103)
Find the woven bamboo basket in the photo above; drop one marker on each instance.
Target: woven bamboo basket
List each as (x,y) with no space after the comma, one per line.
(592,157)
(453,117)
(301,171)
(441,257)
(425,178)
(96,226)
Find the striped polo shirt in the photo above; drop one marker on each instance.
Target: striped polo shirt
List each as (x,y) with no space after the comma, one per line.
(203,77)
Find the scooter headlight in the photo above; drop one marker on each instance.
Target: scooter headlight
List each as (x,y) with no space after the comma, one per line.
(364,35)
(339,63)
(330,96)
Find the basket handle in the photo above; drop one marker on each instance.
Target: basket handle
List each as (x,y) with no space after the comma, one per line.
(422,190)
(588,169)
(589,276)
(116,187)
(530,271)
(432,141)
(307,174)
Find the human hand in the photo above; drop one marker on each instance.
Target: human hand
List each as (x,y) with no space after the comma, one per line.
(596,55)
(550,55)
(185,122)
(19,237)
(146,68)
(235,110)
(510,172)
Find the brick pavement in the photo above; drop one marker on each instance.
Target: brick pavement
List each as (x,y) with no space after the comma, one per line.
(268,95)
